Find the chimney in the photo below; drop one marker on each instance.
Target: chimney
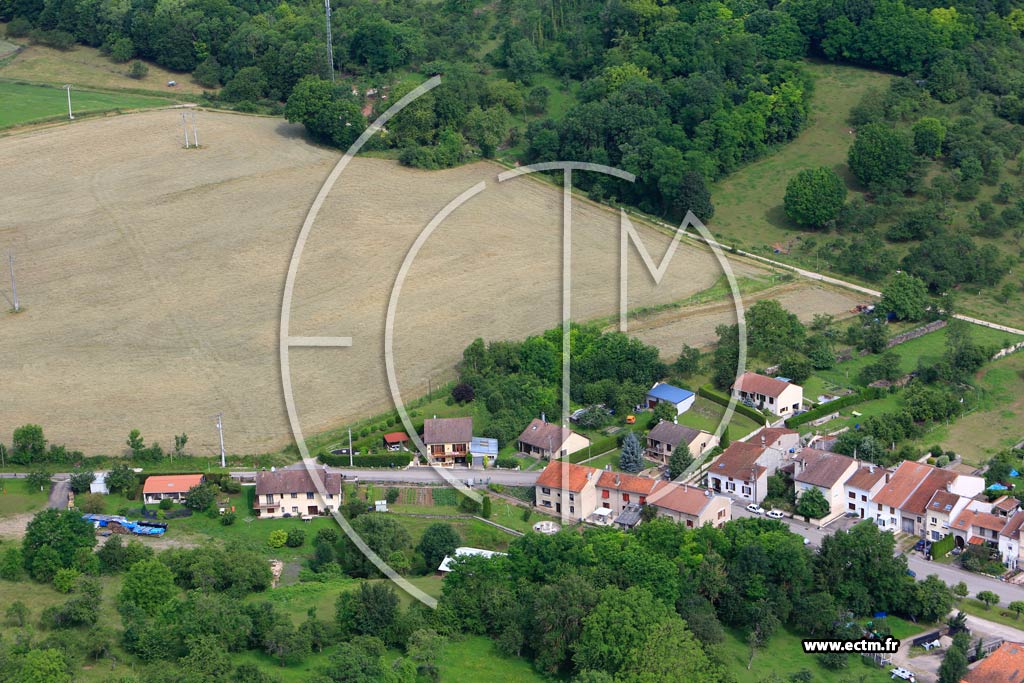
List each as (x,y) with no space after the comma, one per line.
(949,486)
(871,469)
(887,477)
(543,417)
(618,480)
(762,441)
(685,489)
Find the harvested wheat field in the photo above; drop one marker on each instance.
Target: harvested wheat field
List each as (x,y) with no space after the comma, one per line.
(151,278)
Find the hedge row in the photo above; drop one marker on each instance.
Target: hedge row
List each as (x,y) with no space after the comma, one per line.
(721,399)
(943,546)
(383,460)
(868,394)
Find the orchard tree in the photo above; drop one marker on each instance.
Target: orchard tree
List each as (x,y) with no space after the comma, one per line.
(1017,607)
(136,444)
(327,114)
(954,666)
(81,482)
(796,368)
(812,504)
(691,194)
(632,457)
(121,479)
(882,156)
(906,297)
(200,497)
(148,585)
(988,597)
(689,361)
(814,196)
(369,610)
(63,531)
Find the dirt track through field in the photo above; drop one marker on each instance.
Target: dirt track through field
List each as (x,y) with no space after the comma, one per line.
(151,278)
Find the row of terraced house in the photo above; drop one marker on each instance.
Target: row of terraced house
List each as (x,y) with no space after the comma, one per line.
(913,498)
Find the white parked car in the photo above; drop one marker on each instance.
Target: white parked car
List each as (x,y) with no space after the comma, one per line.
(755,508)
(775,514)
(905,674)
(807,541)
(932,645)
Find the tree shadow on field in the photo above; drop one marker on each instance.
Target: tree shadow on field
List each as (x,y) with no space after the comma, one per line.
(777,217)
(292,131)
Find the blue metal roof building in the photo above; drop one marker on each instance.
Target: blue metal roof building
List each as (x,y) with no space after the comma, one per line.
(666,393)
(481,448)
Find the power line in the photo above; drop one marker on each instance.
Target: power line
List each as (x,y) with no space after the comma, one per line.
(330,42)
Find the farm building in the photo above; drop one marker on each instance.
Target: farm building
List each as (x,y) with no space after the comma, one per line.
(173,486)
(446,563)
(548,440)
(681,399)
(294,493)
(775,395)
(448,439)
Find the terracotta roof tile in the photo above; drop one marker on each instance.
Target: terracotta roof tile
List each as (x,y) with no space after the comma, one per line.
(176,483)
(566,475)
(753,383)
(689,500)
(630,483)
(907,477)
(737,461)
(545,435)
(936,480)
(866,477)
(972,518)
(942,501)
(1005,665)
(1013,525)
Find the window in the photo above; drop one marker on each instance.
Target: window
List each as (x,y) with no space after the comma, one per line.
(643,500)
(852,506)
(863,497)
(309,495)
(853,495)
(546,503)
(689,524)
(625,497)
(572,508)
(270,511)
(545,491)
(879,507)
(892,510)
(572,496)
(604,493)
(721,513)
(934,521)
(295,495)
(269,498)
(295,509)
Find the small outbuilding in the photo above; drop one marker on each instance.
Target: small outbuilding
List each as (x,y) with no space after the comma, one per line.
(681,399)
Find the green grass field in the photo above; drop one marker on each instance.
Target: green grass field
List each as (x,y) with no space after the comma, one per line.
(784,656)
(21,104)
(748,203)
(707,415)
(475,659)
(15,498)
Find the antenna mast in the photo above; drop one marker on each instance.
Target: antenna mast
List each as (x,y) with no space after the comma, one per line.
(220,431)
(330,43)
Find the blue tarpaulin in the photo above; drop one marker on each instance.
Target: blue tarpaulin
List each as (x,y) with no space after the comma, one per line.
(1014,473)
(997,487)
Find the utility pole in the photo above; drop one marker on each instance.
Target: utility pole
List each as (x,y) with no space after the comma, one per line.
(220,431)
(70,115)
(195,131)
(184,127)
(350,454)
(14,287)
(330,43)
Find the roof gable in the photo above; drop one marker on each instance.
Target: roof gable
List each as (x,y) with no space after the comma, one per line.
(672,433)
(738,461)
(447,430)
(297,480)
(629,483)
(826,470)
(546,435)
(561,474)
(753,383)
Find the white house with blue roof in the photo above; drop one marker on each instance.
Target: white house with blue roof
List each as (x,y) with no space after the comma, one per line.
(666,393)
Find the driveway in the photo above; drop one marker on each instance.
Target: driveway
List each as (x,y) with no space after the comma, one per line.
(59,495)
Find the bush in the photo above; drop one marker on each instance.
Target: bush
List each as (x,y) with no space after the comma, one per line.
(138,70)
(942,461)
(506,462)
(166,504)
(295,538)
(59,40)
(228,518)
(93,503)
(867,394)
(19,27)
(229,485)
(392,495)
(277,538)
(64,580)
(122,50)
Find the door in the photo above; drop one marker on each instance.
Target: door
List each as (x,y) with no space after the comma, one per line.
(558,507)
(313,510)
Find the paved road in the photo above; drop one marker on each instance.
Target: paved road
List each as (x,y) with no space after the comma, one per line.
(427,475)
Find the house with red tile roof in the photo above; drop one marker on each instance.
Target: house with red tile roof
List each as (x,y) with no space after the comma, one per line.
(862,486)
(977,528)
(1004,665)
(743,469)
(691,506)
(616,490)
(941,510)
(1010,541)
(173,486)
(827,472)
(775,395)
(902,503)
(567,490)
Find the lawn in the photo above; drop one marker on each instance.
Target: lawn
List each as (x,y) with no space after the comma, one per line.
(887,404)
(927,349)
(15,498)
(475,660)
(21,103)
(976,608)
(707,415)
(748,203)
(784,655)
(999,421)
